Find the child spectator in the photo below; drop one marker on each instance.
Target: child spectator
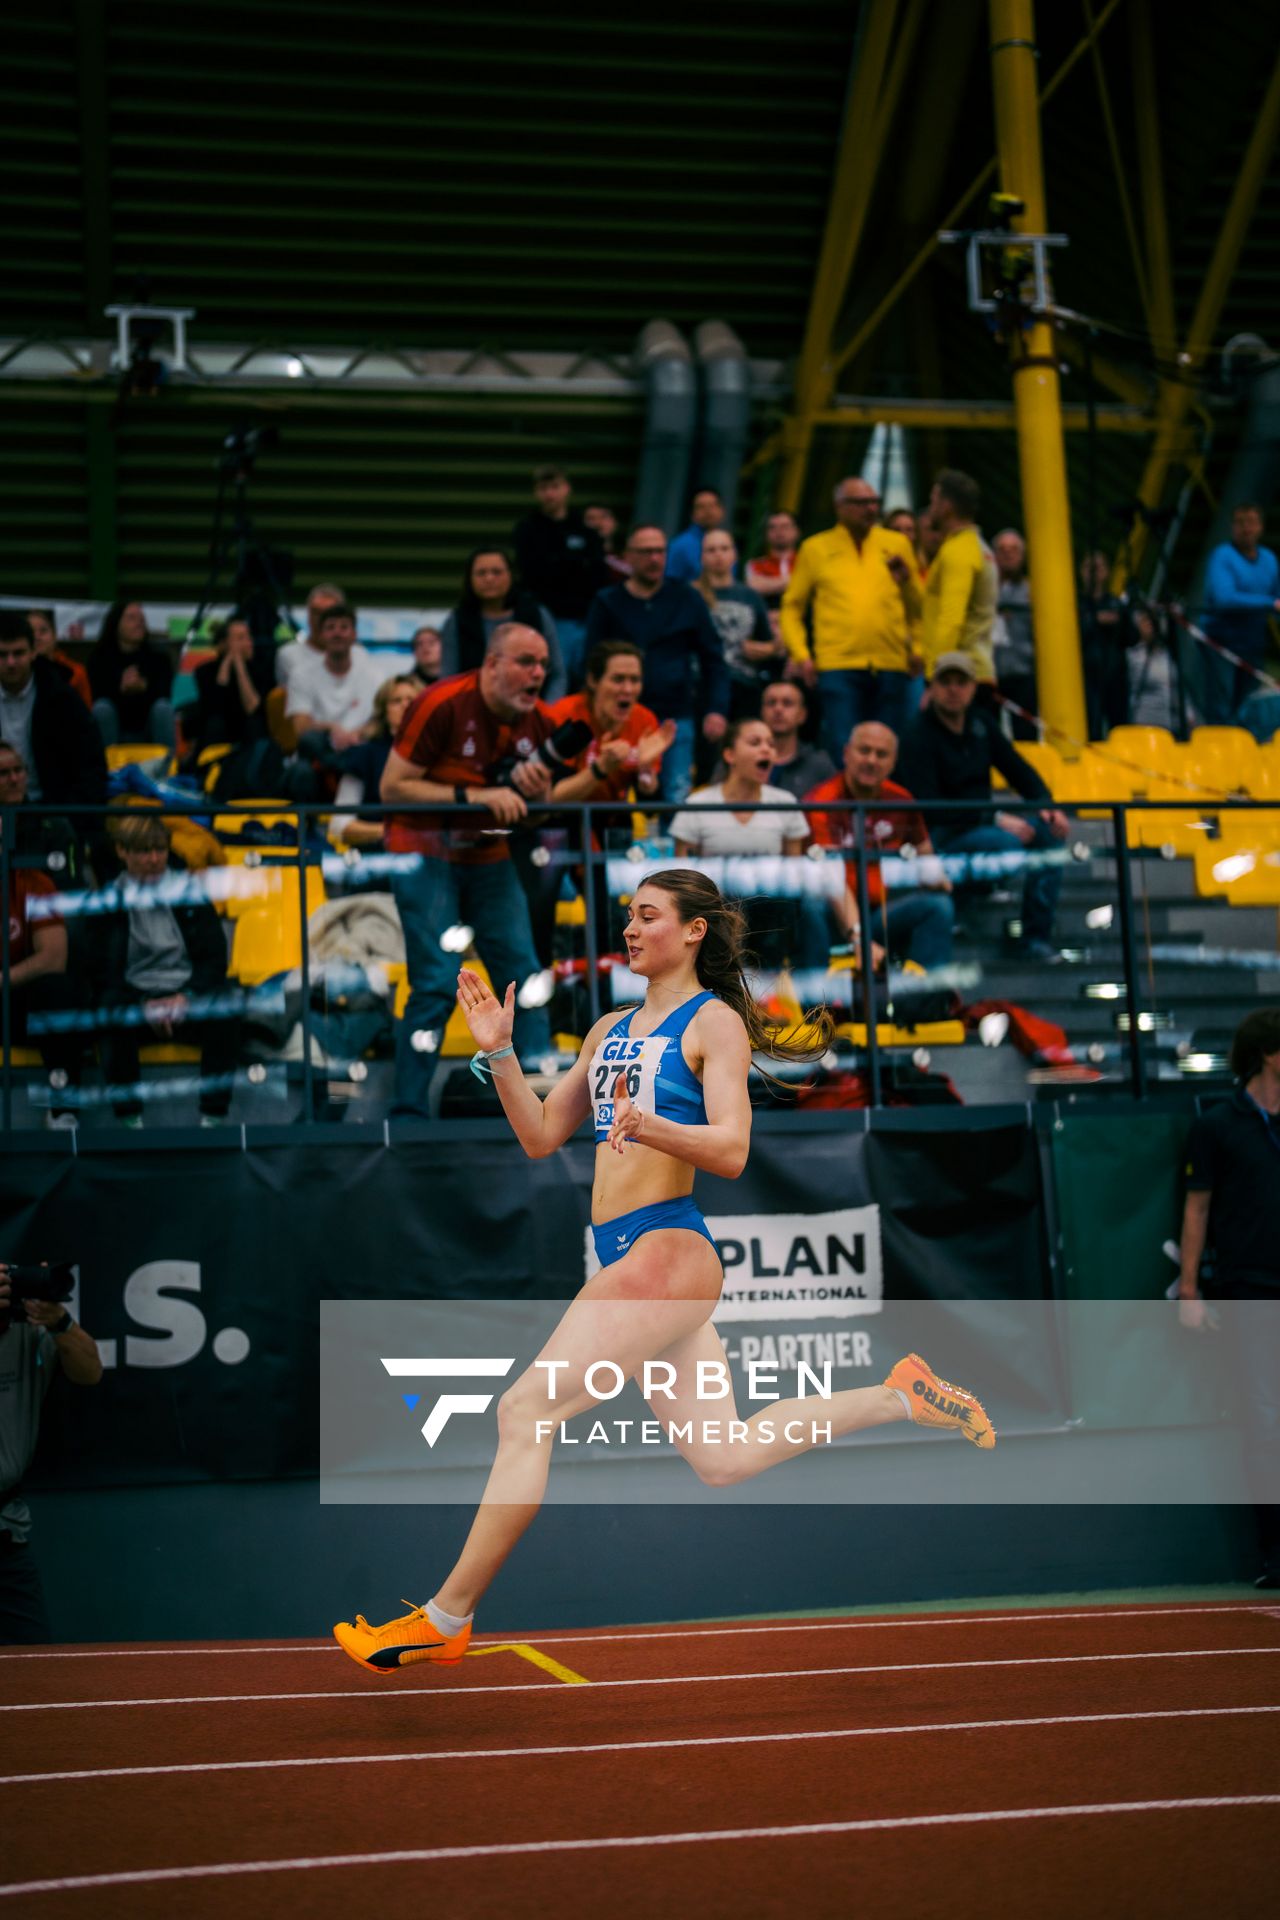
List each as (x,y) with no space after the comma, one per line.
(161,958)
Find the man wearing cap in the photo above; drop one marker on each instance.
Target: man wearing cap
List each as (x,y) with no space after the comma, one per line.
(948,754)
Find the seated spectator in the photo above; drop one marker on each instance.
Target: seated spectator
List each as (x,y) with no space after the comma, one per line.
(785,929)
(41,718)
(948,754)
(294,653)
(45,839)
(798,765)
(770,571)
(131,675)
(158,958)
(230,706)
(1241,596)
(1013,636)
(684,558)
(752,651)
(493,597)
(604,521)
(38,982)
(684,668)
(902,520)
(331,694)
(44,632)
(362,765)
(427,656)
(560,560)
(916,924)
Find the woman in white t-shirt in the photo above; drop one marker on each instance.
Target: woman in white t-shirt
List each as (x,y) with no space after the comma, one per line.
(784,927)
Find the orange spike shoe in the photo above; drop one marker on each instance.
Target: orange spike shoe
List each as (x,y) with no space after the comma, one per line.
(936,1403)
(401,1643)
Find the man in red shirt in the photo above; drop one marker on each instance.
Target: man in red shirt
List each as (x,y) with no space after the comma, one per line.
(472,740)
(916,923)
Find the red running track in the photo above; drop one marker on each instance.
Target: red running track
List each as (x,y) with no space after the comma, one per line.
(1111,1759)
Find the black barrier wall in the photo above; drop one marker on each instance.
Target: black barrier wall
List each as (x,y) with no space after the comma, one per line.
(201,1271)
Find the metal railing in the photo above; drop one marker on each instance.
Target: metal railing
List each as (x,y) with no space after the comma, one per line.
(590,861)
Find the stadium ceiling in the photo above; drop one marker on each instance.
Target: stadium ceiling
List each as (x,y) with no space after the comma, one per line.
(531,186)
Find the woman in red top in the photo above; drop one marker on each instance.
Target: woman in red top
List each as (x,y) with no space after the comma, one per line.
(629,740)
(45,634)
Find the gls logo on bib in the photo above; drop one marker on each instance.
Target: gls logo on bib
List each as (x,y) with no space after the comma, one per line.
(639,1060)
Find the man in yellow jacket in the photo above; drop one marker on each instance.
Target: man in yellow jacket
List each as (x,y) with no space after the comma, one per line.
(858,582)
(962,585)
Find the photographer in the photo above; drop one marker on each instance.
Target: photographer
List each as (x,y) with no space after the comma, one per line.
(480,740)
(36,1333)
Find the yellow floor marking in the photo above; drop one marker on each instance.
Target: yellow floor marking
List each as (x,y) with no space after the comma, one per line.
(536,1658)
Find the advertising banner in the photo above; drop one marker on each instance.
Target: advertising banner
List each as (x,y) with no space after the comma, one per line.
(201,1271)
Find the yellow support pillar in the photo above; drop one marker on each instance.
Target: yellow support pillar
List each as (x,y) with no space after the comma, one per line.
(1173,442)
(1037,400)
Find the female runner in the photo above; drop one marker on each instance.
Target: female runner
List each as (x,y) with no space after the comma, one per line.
(667,1082)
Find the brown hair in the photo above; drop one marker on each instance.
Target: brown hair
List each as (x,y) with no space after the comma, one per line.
(137,832)
(382,699)
(606,650)
(722,956)
(961,490)
(1257,1036)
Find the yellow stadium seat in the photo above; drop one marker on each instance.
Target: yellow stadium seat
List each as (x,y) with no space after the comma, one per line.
(132,753)
(1223,760)
(932,1033)
(266,943)
(169,1053)
(571,913)
(22,1057)
(1243,865)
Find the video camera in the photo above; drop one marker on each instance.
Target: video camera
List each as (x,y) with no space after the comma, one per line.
(557,753)
(47,1283)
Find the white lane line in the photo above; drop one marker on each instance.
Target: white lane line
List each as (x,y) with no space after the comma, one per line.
(417,1856)
(552,1638)
(661,1680)
(630,1746)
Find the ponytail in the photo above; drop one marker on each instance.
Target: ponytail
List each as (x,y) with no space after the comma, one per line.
(721,959)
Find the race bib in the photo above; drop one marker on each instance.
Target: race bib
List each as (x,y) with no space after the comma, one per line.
(639,1060)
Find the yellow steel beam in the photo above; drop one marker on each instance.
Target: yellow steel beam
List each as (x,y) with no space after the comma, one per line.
(873,97)
(1161,323)
(1172,438)
(1119,169)
(994,415)
(952,215)
(1041,457)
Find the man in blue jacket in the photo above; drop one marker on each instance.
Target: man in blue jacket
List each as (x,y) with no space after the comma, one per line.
(670,627)
(1241,592)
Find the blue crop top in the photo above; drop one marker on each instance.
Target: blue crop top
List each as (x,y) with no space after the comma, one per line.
(658,1076)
